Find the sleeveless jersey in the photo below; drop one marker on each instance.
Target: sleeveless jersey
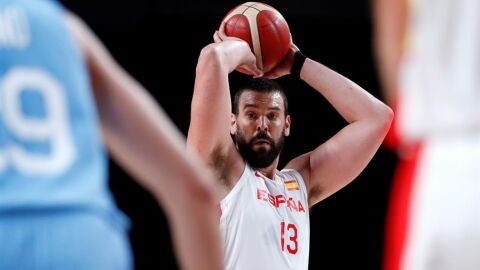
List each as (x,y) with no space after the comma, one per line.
(265,222)
(51,154)
(439,91)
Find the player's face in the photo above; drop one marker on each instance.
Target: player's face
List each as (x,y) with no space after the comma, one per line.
(260,127)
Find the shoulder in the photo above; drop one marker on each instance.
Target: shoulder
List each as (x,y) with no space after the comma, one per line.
(290,172)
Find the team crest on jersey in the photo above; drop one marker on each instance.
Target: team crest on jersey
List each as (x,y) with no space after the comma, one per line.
(291,184)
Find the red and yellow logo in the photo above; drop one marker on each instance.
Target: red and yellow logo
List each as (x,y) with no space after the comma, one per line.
(292,184)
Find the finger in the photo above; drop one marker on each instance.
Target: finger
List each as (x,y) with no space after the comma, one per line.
(222,26)
(270,75)
(216,37)
(259,76)
(295,47)
(221,31)
(292,45)
(251,69)
(255,70)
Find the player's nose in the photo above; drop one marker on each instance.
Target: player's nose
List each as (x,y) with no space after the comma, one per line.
(262,123)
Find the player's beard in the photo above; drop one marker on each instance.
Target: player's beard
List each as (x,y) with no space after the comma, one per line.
(262,157)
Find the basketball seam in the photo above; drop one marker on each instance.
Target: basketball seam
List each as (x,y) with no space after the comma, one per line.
(258,53)
(238,18)
(252,6)
(260,40)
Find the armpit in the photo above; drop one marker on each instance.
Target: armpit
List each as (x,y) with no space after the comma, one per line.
(219,165)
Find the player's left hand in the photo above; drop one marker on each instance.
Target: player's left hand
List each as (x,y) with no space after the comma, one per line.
(220,35)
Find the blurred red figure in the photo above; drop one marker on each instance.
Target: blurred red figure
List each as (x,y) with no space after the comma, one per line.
(429,60)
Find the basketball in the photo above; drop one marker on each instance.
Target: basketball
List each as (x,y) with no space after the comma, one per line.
(264,29)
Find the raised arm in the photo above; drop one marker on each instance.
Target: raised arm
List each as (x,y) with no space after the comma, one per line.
(209,132)
(335,163)
(390,19)
(142,139)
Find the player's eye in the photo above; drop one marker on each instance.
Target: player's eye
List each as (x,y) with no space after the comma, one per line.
(251,115)
(273,116)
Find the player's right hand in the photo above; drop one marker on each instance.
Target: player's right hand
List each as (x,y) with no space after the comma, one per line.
(248,64)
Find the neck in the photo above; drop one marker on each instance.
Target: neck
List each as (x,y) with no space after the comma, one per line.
(270,170)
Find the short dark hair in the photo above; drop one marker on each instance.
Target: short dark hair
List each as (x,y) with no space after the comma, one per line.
(260,85)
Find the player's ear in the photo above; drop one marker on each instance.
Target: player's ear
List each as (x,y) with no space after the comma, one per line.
(288,121)
(233,124)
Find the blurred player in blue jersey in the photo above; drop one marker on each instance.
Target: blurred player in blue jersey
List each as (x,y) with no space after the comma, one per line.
(56,211)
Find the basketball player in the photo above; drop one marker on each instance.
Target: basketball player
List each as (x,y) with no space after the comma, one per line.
(265,212)
(429,61)
(56,211)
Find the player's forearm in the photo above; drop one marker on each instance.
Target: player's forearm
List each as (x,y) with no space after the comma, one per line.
(210,111)
(139,134)
(388,56)
(149,147)
(196,236)
(228,54)
(215,62)
(389,31)
(349,99)
(191,207)
(211,80)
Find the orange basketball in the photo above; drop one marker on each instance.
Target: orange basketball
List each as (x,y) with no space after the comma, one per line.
(264,29)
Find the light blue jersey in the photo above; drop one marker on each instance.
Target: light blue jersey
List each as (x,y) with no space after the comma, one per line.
(56,210)
(51,154)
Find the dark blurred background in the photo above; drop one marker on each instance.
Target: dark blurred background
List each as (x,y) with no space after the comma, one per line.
(158,42)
